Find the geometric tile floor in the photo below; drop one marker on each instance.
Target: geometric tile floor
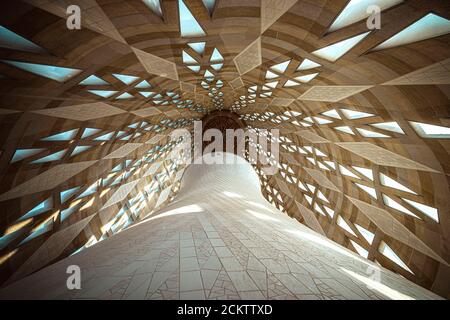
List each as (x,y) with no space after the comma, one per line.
(230,244)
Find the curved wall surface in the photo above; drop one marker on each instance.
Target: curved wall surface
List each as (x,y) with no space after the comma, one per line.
(218,239)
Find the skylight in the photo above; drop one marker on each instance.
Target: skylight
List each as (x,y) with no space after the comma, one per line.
(217,66)
(308,198)
(67,194)
(208,74)
(89,132)
(194,68)
(337,50)
(353,114)
(308,64)
(320,120)
(12,40)
(429,26)
(356,10)
(332,114)
(40,208)
(371,191)
(331,164)
(318,209)
(302,186)
(311,188)
(307,77)
(105,137)
(271,75)
(90,190)
(329,211)
(42,228)
(319,153)
(155,6)
(347,172)
(364,171)
(391,183)
(134,125)
(291,83)
(430,130)
(345,129)
(146,93)
(59,74)
(103,93)
(216,56)
(189,27)
(293,113)
(272,85)
(198,47)
(321,196)
(385,250)
(389,126)
(125,78)
(93,81)
(79,149)
(281,67)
